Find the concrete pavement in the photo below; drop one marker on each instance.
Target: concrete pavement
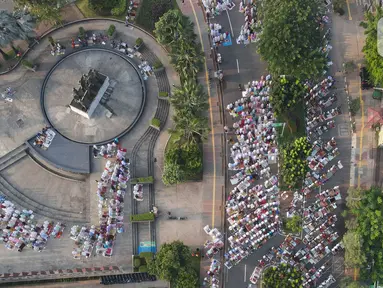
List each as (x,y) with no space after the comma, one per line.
(27,103)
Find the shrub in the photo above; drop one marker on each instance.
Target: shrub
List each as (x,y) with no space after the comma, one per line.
(103,7)
(26,63)
(120,9)
(163,94)
(157,65)
(143,268)
(142,217)
(156,122)
(137,262)
(147,255)
(139,42)
(81,32)
(354,106)
(111,30)
(338,6)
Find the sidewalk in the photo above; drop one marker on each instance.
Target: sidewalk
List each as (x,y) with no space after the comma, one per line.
(206,198)
(28,85)
(349,38)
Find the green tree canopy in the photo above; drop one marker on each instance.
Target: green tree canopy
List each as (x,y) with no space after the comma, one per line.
(174,26)
(290,40)
(43,10)
(190,129)
(187,58)
(294,163)
(187,278)
(286,93)
(294,224)
(373,59)
(173,264)
(354,195)
(283,276)
(369,227)
(353,250)
(189,99)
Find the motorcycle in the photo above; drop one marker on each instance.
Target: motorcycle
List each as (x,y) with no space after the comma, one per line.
(219,58)
(319,131)
(331,113)
(328,102)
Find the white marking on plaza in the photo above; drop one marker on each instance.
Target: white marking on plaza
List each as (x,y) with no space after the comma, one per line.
(237,65)
(244,277)
(231,27)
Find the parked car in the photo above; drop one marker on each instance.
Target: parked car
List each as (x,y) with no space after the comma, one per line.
(364,78)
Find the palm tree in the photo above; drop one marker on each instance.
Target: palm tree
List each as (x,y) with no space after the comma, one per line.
(187,58)
(190,97)
(172,27)
(190,129)
(14,26)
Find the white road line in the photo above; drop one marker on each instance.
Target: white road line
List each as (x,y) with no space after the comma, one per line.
(231,27)
(244,278)
(237,65)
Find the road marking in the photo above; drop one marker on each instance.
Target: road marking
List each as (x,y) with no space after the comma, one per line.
(237,65)
(231,27)
(244,277)
(361,130)
(211,113)
(348,9)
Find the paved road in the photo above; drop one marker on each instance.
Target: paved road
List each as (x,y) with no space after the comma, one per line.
(240,65)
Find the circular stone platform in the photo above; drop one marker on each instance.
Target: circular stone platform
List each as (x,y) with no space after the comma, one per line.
(126,102)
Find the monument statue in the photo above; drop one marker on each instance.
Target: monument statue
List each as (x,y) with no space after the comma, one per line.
(86,98)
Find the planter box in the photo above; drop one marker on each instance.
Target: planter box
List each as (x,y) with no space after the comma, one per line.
(137,47)
(155,127)
(33,68)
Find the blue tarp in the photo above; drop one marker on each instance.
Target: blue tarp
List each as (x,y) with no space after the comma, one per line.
(227,41)
(147,247)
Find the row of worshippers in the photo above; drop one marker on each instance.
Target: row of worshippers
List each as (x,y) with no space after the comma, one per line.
(253,209)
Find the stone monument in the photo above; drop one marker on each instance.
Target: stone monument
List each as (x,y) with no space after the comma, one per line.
(87,97)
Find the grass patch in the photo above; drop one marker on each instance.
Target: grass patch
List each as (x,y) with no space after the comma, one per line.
(295,125)
(195,263)
(151,10)
(142,180)
(82,5)
(163,94)
(156,122)
(142,217)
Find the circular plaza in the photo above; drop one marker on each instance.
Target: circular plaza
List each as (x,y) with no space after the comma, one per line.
(121,99)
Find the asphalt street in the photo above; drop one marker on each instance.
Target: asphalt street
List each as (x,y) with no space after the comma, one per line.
(241,64)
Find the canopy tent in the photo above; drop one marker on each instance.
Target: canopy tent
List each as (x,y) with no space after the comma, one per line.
(374,117)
